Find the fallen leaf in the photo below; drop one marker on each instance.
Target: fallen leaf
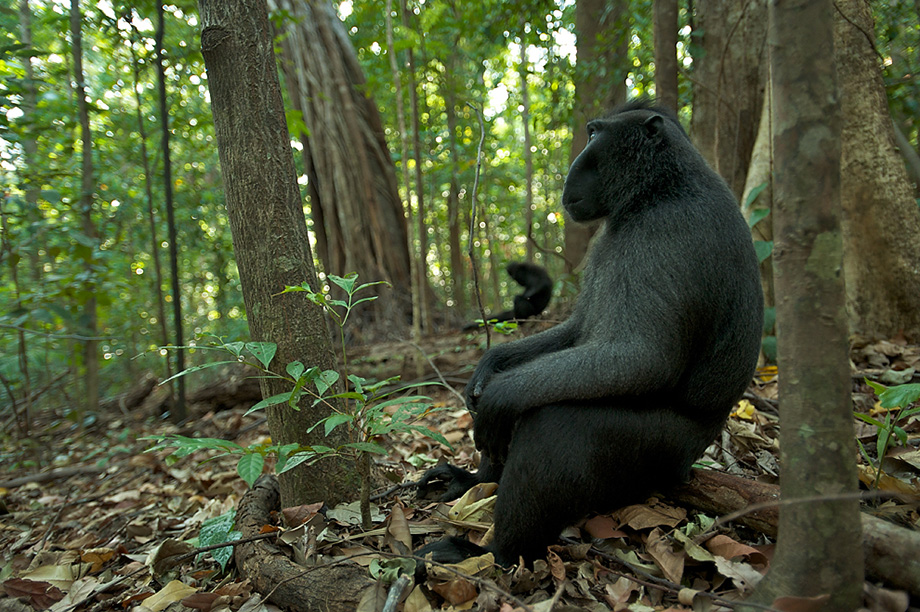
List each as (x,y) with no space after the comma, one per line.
(603,528)
(174,591)
(40,595)
(457,591)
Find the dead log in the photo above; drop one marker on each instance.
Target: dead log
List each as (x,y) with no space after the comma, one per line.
(290,586)
(130,399)
(892,552)
(236,385)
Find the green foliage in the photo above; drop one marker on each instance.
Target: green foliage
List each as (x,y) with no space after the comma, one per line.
(219,530)
(369,410)
(898,400)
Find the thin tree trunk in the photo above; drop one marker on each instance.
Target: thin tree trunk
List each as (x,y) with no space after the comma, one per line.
(263,199)
(404,159)
(528,156)
(422,263)
(665,34)
(90,347)
(819,550)
(457,264)
(151,217)
(178,412)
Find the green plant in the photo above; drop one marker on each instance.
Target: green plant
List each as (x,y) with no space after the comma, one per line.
(369,410)
(897,400)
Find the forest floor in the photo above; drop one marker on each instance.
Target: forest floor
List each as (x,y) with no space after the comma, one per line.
(95,528)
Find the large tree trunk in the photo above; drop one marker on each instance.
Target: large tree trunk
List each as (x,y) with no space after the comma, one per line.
(602,31)
(729,82)
(358,216)
(819,545)
(269,229)
(881,221)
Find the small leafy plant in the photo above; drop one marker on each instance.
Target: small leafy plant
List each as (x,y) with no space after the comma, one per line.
(898,400)
(369,410)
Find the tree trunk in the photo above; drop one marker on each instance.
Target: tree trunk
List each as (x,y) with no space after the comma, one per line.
(87,185)
(151,216)
(729,78)
(269,229)
(358,215)
(881,221)
(404,160)
(819,545)
(421,265)
(665,34)
(528,156)
(458,265)
(177,412)
(601,28)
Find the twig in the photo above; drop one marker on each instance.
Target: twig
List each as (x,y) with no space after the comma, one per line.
(396,591)
(473,224)
(437,371)
(52,475)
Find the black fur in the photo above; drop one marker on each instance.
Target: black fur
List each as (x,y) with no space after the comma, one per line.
(622,398)
(538,289)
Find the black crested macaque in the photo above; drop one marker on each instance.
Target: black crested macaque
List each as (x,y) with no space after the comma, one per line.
(538,289)
(620,399)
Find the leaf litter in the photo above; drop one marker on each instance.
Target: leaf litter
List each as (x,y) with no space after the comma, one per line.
(125,534)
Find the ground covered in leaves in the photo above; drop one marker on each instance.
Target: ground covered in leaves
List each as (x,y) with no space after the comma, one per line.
(89,521)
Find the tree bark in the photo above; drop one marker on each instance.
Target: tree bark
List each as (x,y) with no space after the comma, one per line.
(729,78)
(881,221)
(818,548)
(665,35)
(358,215)
(269,229)
(288,585)
(601,39)
(87,185)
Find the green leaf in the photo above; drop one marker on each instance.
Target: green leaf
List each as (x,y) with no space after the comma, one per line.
(326,380)
(347,282)
(249,467)
(295,369)
(234,347)
(263,351)
(367,447)
(431,434)
(900,395)
(752,195)
(280,398)
(334,420)
(294,288)
(758,215)
(205,366)
(763,248)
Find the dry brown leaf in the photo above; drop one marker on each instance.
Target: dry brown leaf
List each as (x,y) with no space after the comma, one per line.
(724,546)
(603,528)
(200,601)
(646,516)
(671,563)
(398,530)
(801,604)
(457,591)
(556,566)
(39,595)
(298,515)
